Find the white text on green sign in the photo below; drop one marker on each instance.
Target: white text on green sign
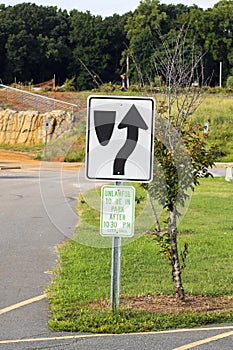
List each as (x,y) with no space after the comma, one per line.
(117,211)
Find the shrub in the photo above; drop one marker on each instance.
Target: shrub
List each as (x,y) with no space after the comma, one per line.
(109,87)
(229,82)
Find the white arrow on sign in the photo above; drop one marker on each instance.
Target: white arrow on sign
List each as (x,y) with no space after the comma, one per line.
(120,137)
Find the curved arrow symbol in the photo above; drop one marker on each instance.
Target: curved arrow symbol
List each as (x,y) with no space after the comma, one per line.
(132,121)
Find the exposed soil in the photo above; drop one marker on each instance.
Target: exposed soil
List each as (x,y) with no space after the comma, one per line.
(8,155)
(10,159)
(168,304)
(24,160)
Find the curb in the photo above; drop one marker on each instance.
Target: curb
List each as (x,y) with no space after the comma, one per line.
(9,167)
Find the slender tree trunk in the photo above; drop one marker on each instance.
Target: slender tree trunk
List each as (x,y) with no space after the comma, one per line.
(176,271)
(158,229)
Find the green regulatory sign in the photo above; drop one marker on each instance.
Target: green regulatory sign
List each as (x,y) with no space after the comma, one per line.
(117,211)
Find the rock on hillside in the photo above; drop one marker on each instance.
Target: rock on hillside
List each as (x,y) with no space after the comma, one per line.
(28,127)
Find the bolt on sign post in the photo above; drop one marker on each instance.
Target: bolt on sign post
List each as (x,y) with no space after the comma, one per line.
(119,147)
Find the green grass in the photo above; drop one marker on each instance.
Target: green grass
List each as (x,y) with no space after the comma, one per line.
(217,110)
(83,275)
(210,259)
(35,151)
(23,148)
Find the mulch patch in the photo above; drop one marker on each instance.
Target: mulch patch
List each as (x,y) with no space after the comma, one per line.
(169,304)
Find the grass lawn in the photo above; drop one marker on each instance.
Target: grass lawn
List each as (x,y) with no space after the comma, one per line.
(217,111)
(83,275)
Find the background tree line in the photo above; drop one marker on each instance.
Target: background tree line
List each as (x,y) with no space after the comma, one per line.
(37,42)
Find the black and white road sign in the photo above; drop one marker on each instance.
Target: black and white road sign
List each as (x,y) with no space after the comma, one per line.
(120,138)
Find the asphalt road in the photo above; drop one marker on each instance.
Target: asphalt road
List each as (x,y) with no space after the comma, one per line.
(37,213)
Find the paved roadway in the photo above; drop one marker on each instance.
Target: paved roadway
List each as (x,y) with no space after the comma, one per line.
(37,213)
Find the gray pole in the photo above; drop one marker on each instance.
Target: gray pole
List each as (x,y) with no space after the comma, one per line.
(220,74)
(45,146)
(116,271)
(115,275)
(46,138)
(127,70)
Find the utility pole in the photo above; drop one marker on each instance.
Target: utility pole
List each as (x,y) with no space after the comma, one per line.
(220,74)
(127,70)
(54,82)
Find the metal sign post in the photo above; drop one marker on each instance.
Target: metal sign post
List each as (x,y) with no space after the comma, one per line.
(115,271)
(115,274)
(46,137)
(117,221)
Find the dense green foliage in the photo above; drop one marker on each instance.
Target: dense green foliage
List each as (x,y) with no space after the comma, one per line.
(37,42)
